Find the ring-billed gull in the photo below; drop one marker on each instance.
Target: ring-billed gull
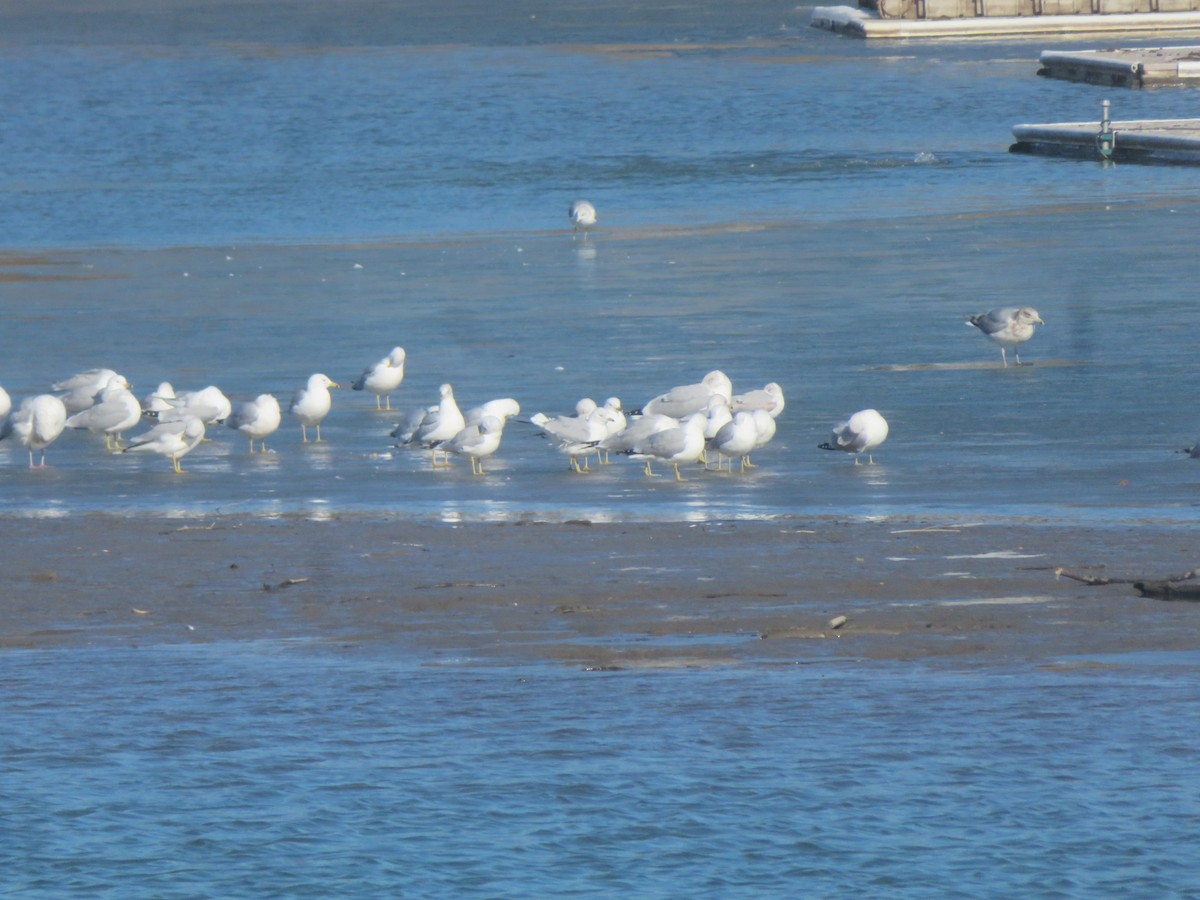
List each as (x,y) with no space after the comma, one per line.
(115,410)
(5,403)
(383,377)
(582,215)
(256,419)
(79,391)
(209,405)
(638,429)
(312,403)
(1008,327)
(503,409)
(37,423)
(437,423)
(769,398)
(736,438)
(686,399)
(477,442)
(573,436)
(861,433)
(681,444)
(157,401)
(175,438)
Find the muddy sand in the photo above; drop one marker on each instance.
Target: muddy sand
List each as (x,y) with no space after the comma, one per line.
(599,595)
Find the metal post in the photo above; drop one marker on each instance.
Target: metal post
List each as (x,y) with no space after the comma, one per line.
(1105,140)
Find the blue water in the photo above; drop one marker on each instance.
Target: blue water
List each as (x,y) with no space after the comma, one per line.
(241,194)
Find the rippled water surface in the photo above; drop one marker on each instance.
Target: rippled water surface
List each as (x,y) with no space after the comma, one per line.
(229,194)
(289,770)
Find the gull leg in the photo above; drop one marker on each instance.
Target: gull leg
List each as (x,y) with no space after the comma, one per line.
(303,433)
(678,477)
(1003,358)
(251,446)
(319,433)
(746,462)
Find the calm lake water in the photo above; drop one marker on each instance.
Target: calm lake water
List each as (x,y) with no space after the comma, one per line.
(227,195)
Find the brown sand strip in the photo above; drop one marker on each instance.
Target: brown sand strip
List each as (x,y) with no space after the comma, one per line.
(601,597)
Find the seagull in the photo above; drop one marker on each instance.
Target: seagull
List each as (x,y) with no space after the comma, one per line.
(736,438)
(383,377)
(116,410)
(80,390)
(158,401)
(37,423)
(256,419)
(582,215)
(638,429)
(5,403)
(476,442)
(684,443)
(612,417)
(1008,327)
(861,433)
(769,398)
(209,405)
(573,436)
(174,438)
(689,398)
(439,423)
(312,403)
(503,409)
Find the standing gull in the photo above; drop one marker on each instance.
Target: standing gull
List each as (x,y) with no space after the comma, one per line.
(689,398)
(174,438)
(736,438)
(116,410)
(582,215)
(769,398)
(476,442)
(312,403)
(1008,327)
(573,436)
(209,405)
(80,390)
(383,377)
(439,423)
(683,443)
(37,423)
(256,419)
(861,433)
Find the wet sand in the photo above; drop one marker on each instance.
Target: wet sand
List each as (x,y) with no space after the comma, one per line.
(599,595)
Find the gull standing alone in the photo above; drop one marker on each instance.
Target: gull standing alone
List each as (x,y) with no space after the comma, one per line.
(582,215)
(312,403)
(174,438)
(861,433)
(37,423)
(256,419)
(383,377)
(1008,327)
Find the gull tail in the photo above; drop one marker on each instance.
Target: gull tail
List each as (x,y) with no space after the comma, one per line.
(827,446)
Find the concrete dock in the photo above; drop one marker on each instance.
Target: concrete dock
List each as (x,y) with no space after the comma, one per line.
(854,22)
(1131,68)
(1145,140)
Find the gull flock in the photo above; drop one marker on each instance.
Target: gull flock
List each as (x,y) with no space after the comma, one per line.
(704,422)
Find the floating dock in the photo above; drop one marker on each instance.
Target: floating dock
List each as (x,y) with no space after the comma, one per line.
(1146,140)
(855,22)
(1132,68)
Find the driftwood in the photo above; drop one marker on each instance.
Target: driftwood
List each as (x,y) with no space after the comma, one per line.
(1174,587)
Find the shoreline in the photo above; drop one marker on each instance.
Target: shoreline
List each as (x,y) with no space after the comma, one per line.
(599,596)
